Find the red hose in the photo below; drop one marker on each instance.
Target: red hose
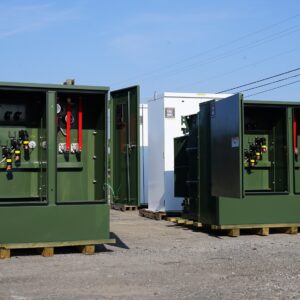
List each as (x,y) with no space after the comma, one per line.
(80,124)
(68,133)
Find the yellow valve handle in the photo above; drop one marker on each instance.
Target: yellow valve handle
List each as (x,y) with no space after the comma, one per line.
(252,162)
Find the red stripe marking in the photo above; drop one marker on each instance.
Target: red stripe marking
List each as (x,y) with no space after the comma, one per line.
(68,133)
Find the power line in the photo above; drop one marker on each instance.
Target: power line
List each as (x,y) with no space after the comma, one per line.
(279,80)
(229,53)
(214,48)
(275,88)
(239,68)
(257,81)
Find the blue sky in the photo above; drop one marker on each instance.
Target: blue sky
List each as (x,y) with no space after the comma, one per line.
(180,46)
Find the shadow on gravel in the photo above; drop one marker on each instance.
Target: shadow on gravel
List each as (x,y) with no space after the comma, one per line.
(216,233)
(220,234)
(24,252)
(57,251)
(119,243)
(69,249)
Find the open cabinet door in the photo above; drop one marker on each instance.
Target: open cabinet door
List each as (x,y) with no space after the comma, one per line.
(181,166)
(124,114)
(226,147)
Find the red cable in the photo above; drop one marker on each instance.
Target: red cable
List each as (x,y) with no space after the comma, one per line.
(68,133)
(80,124)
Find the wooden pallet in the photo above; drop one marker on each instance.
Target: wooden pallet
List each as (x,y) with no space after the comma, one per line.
(187,222)
(124,207)
(47,249)
(171,219)
(234,230)
(260,229)
(155,215)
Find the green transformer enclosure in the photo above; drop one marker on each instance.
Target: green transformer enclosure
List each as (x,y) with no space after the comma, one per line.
(238,163)
(53,179)
(125,142)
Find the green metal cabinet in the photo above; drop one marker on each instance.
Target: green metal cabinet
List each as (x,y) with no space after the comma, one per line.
(53,170)
(247,163)
(125,146)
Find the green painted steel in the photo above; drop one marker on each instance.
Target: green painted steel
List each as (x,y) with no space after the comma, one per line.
(51,87)
(125,146)
(58,223)
(51,147)
(226,132)
(260,136)
(88,173)
(50,193)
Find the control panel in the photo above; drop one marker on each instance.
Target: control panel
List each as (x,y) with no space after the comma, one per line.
(255,152)
(69,119)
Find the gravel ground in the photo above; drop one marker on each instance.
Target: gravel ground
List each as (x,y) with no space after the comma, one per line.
(159,260)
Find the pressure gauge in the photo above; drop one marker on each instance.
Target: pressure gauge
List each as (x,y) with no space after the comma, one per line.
(32,144)
(58,108)
(44,145)
(71,119)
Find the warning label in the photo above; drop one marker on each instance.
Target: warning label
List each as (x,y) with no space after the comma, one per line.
(235,142)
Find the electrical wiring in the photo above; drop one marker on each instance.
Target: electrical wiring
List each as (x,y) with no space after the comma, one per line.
(207,79)
(62,131)
(275,88)
(279,80)
(257,81)
(227,53)
(3,160)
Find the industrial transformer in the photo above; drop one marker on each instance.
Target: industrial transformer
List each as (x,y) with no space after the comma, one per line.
(53,179)
(238,163)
